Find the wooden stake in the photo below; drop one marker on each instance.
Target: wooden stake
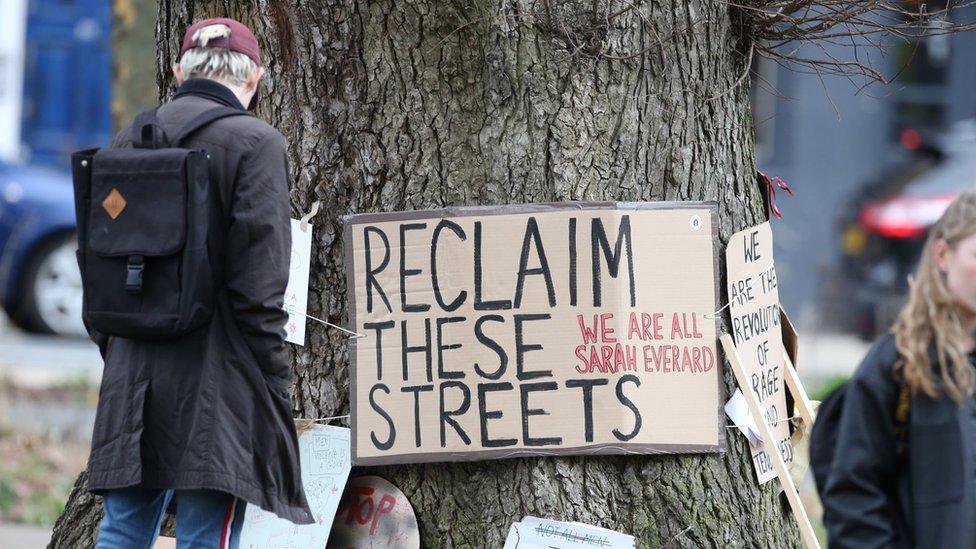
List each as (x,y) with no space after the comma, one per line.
(800,398)
(806,529)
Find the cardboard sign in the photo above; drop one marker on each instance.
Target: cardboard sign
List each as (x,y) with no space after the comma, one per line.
(296,293)
(494,332)
(754,306)
(374,514)
(324,452)
(537,533)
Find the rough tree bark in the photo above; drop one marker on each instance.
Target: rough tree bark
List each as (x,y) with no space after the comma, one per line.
(420,104)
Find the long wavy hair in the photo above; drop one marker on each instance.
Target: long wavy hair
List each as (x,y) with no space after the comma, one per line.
(931,319)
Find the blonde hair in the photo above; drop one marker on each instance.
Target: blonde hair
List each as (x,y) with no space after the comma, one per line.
(216,63)
(932,315)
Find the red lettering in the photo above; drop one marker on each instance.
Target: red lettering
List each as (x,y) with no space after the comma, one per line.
(589,335)
(606,334)
(659,356)
(619,362)
(657,325)
(607,352)
(595,362)
(646,326)
(632,327)
(581,368)
(387,503)
(356,506)
(696,355)
(676,328)
(361,517)
(707,353)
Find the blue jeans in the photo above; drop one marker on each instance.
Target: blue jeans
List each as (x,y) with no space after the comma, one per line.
(205,519)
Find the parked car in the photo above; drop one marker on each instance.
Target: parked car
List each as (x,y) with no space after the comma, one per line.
(40,285)
(882,235)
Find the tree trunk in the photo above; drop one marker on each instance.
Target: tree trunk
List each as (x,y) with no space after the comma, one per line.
(420,104)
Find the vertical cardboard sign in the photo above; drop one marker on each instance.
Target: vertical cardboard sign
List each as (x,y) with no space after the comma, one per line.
(324,453)
(754,307)
(534,329)
(296,293)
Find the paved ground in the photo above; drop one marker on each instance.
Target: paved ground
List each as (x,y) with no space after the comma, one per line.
(23,537)
(35,360)
(18,536)
(38,362)
(826,356)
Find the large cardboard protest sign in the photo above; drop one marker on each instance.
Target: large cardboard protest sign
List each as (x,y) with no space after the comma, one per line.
(754,308)
(535,329)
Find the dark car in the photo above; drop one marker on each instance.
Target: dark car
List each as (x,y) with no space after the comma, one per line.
(883,233)
(40,286)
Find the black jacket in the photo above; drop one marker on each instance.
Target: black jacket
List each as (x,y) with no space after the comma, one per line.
(211,409)
(924,498)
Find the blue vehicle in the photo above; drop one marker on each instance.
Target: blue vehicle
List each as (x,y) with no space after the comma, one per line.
(64,105)
(40,286)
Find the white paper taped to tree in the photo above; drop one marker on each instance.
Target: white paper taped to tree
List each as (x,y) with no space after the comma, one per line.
(296,293)
(738,411)
(537,533)
(324,452)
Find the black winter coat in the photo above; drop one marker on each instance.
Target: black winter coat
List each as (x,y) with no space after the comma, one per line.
(875,498)
(211,410)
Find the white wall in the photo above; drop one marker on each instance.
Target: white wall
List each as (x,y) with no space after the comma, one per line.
(13,19)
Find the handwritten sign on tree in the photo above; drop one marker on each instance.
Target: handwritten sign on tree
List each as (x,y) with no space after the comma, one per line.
(754,307)
(373,514)
(508,331)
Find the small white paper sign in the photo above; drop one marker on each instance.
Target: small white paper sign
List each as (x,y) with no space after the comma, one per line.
(324,452)
(296,293)
(537,533)
(738,411)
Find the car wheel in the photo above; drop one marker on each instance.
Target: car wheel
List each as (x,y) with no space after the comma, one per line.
(52,290)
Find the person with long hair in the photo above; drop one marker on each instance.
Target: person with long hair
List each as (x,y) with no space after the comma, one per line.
(911,482)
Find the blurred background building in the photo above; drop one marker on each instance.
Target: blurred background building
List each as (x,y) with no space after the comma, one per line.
(57,56)
(871,169)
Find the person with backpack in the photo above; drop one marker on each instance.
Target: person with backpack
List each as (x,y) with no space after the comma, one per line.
(903,472)
(184,246)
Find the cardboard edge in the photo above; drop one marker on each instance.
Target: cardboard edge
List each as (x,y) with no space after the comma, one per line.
(510,209)
(352,347)
(593,450)
(719,363)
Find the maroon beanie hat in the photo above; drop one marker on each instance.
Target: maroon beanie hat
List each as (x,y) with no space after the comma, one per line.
(241,38)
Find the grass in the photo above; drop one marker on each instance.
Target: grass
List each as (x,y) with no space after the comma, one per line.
(828,386)
(36,474)
(37,470)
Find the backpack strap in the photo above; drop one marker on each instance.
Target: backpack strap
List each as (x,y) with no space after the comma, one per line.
(147,134)
(205,118)
(144,135)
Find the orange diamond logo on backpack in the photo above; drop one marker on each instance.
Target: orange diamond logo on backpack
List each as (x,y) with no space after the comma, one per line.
(114,203)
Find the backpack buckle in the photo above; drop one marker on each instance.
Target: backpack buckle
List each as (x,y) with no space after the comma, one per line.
(133,275)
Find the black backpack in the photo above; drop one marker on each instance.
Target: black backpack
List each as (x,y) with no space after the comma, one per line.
(143,215)
(823,435)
